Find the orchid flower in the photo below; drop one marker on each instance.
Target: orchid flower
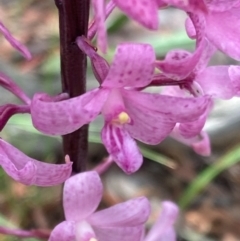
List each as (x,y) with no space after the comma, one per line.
(215,81)
(163,229)
(128,113)
(30,171)
(82,194)
(216,25)
(15,43)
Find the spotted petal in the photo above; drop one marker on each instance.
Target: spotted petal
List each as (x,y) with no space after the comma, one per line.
(145,12)
(223,33)
(82,194)
(63,117)
(215,81)
(122,148)
(30,171)
(133,66)
(177,109)
(127,214)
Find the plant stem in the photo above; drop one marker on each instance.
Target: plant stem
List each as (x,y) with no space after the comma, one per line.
(73,22)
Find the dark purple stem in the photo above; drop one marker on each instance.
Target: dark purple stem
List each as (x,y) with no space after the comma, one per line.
(73,22)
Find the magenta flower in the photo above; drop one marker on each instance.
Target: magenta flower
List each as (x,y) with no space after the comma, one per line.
(128,113)
(30,171)
(216,25)
(163,229)
(15,43)
(82,194)
(192,74)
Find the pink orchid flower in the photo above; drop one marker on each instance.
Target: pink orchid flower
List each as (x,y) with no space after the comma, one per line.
(191,72)
(217,25)
(15,43)
(128,113)
(163,229)
(30,171)
(82,194)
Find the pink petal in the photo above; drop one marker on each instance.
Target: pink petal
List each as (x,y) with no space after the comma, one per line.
(221,6)
(30,171)
(192,129)
(234,74)
(163,228)
(190,29)
(8,110)
(99,10)
(144,12)
(64,231)
(178,64)
(148,126)
(63,117)
(176,109)
(189,6)
(203,145)
(223,33)
(100,66)
(200,144)
(7,83)
(84,232)
(119,233)
(133,66)
(122,148)
(127,214)
(215,81)
(15,43)
(82,194)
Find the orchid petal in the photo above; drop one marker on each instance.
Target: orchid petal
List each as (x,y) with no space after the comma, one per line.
(84,232)
(234,74)
(8,110)
(215,81)
(223,34)
(202,146)
(147,126)
(131,213)
(189,6)
(63,117)
(15,43)
(177,109)
(178,64)
(7,83)
(133,66)
(99,9)
(144,12)
(190,29)
(30,171)
(191,129)
(119,233)
(221,6)
(82,194)
(100,66)
(163,228)
(122,148)
(64,231)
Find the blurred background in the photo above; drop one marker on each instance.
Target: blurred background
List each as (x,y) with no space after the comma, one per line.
(206,188)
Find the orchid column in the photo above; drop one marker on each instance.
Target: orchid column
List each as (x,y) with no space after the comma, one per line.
(73,22)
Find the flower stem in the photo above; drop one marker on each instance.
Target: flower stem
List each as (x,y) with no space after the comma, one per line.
(73,22)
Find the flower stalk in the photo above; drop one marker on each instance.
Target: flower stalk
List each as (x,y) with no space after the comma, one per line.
(73,22)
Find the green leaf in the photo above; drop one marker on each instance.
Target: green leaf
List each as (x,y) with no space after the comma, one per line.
(206,176)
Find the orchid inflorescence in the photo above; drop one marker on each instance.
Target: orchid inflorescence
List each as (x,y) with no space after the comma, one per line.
(130,112)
